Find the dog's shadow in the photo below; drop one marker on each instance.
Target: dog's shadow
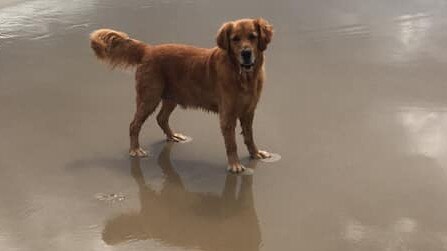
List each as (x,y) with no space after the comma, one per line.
(178,217)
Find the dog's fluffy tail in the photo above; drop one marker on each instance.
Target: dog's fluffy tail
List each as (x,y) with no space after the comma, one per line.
(116,48)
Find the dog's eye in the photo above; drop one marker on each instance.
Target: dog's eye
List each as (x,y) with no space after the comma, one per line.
(236,39)
(252,36)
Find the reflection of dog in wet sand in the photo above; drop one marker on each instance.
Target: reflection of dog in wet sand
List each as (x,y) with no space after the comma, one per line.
(227,80)
(192,220)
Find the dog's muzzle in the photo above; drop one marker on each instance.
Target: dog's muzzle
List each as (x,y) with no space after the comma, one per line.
(247,59)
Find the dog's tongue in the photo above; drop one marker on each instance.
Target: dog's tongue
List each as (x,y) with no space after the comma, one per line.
(247,66)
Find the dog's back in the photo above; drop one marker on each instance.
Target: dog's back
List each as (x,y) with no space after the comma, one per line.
(188,74)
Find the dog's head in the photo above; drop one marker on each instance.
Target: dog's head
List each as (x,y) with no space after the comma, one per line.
(245,40)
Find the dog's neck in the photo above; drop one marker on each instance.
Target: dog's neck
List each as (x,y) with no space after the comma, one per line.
(246,77)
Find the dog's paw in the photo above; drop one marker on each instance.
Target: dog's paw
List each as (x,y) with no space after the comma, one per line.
(261,155)
(236,168)
(137,153)
(177,137)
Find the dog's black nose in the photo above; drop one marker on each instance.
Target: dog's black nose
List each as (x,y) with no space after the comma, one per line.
(246,55)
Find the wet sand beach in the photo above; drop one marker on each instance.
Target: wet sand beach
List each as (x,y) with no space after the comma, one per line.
(355,102)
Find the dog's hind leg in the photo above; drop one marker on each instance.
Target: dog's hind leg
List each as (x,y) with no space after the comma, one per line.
(148,98)
(167,107)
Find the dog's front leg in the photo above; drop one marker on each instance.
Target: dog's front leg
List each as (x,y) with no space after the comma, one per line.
(247,130)
(228,127)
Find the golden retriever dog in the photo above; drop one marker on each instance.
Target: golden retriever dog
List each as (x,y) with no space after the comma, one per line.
(227,79)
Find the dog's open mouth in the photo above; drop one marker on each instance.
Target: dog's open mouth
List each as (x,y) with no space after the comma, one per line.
(247,67)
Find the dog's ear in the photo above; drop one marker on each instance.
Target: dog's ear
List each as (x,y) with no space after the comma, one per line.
(223,36)
(265,31)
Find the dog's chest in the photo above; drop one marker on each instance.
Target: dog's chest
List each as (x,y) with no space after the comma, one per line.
(247,97)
